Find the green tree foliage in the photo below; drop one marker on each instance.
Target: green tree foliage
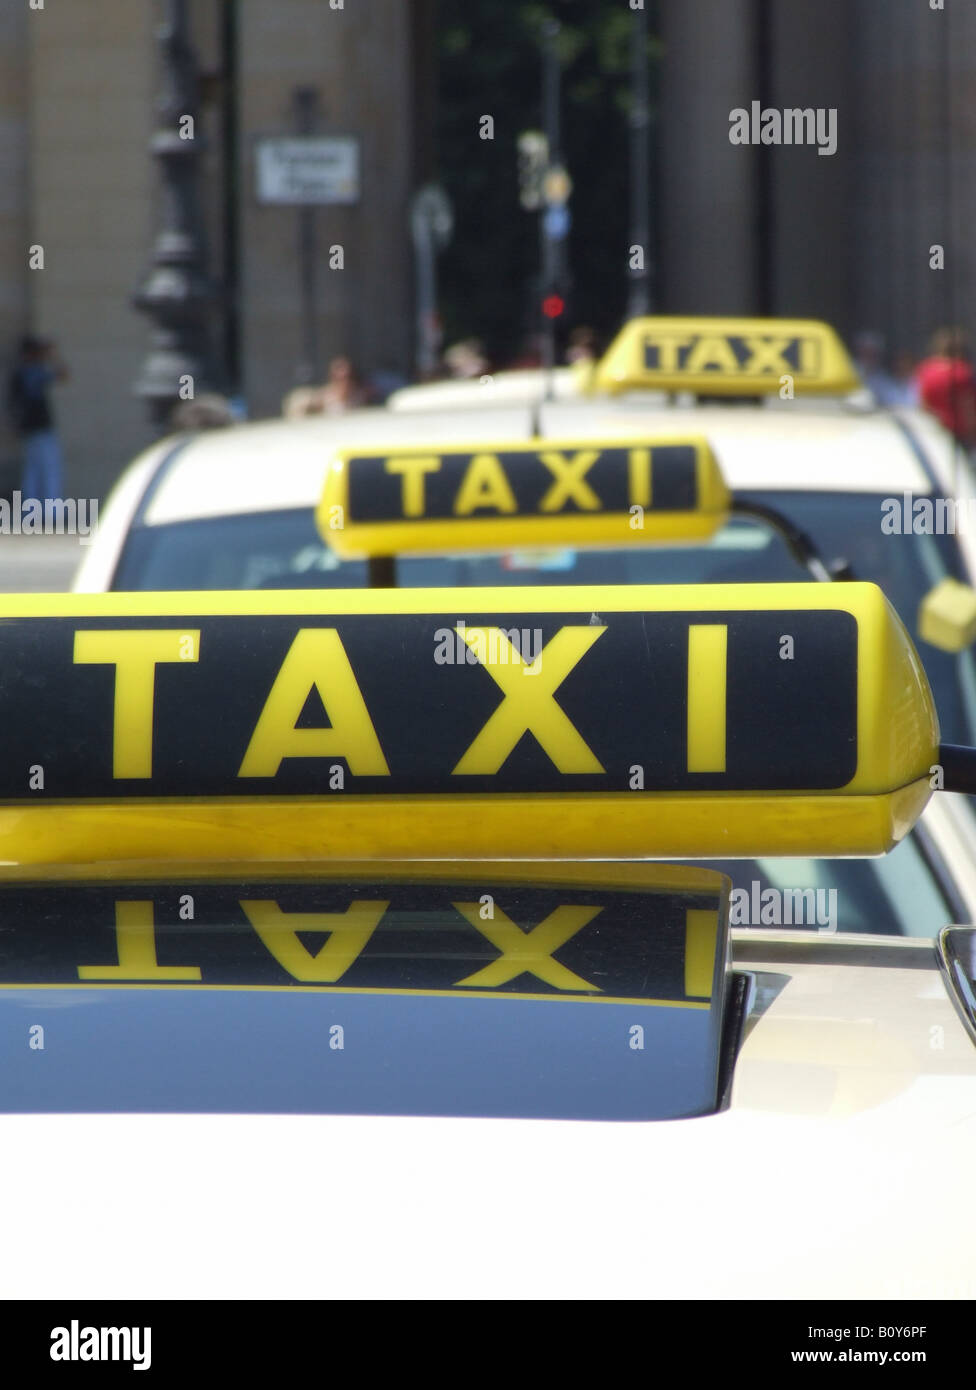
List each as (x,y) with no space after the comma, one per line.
(490,63)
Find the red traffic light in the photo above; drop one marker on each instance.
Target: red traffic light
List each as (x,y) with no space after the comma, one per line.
(553,306)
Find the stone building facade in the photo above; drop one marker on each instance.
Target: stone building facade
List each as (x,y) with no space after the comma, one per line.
(740,228)
(785,230)
(77,90)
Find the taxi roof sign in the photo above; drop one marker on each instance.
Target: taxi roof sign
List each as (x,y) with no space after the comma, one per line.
(568,723)
(383,502)
(727,357)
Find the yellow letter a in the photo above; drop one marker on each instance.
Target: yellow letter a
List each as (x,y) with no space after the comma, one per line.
(315,660)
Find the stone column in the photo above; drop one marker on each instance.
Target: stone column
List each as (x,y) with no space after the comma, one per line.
(359,59)
(815,251)
(14,212)
(707,207)
(916,178)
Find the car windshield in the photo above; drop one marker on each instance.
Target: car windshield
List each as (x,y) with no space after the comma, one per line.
(283,550)
(903,893)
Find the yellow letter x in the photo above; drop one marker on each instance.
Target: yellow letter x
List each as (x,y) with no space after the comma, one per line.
(528,705)
(528,952)
(570,476)
(767,355)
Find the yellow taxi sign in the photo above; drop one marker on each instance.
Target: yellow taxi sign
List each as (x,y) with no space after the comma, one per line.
(727,357)
(539,492)
(614,721)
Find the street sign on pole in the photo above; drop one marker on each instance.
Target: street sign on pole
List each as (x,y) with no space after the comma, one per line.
(431,215)
(307,170)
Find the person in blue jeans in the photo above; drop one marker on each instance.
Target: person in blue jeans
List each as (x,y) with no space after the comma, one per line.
(37,369)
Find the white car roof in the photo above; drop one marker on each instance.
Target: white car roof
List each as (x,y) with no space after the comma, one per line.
(498,388)
(807,448)
(843,1112)
(280,464)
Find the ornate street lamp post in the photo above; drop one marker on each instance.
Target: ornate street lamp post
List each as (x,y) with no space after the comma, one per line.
(177,295)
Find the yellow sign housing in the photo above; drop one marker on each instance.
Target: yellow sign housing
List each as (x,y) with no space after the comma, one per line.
(568,723)
(727,357)
(494,497)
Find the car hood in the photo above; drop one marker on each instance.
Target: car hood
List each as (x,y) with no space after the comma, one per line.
(841,1169)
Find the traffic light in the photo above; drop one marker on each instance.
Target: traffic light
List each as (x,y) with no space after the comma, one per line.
(533,161)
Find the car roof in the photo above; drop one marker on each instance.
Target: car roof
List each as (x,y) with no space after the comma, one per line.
(279,465)
(809,447)
(510,388)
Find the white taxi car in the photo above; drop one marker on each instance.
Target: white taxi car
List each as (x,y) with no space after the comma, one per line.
(326,969)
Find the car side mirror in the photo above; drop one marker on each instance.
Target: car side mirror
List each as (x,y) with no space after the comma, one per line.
(947,616)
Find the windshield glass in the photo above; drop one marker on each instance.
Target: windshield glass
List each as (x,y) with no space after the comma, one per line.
(903,893)
(283,550)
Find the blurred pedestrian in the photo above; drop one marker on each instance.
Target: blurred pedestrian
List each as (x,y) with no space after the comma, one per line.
(530,355)
(466,361)
(906,386)
(37,369)
(209,411)
(343,390)
(382,382)
(869,358)
(947,383)
(583,346)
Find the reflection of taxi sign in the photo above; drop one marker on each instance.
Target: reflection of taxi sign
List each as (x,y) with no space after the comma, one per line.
(552,492)
(360,931)
(274,978)
(727,357)
(629,721)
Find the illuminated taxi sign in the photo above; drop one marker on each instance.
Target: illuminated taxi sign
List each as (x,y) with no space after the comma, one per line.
(727,357)
(547,492)
(630,721)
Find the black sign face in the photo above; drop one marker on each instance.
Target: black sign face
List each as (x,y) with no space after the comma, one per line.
(487,937)
(547,481)
(451,703)
(730,354)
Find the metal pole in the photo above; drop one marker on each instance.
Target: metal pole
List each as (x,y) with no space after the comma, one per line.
(550,245)
(306,102)
(426,271)
(177,295)
(381,572)
(764,241)
(639,298)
